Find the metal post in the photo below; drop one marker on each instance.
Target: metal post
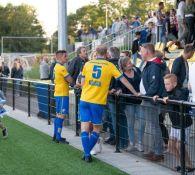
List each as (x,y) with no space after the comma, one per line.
(106,16)
(29,99)
(128,44)
(13,94)
(131,38)
(77,96)
(1,46)
(182,148)
(158,38)
(1,84)
(49,105)
(51,42)
(62,24)
(117,113)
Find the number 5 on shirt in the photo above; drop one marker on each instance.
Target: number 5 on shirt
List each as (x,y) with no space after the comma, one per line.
(97,72)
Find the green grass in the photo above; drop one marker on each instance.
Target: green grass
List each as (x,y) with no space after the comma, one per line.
(34,73)
(27,151)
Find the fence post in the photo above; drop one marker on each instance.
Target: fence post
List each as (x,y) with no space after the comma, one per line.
(13,94)
(49,105)
(77,96)
(1,84)
(131,39)
(117,114)
(158,38)
(29,99)
(182,148)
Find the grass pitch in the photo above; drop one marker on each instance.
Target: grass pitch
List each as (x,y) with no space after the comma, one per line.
(27,151)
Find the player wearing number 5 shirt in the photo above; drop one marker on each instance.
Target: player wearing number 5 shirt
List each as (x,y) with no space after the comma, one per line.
(96,77)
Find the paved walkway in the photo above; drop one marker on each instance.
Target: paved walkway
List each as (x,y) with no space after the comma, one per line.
(126,162)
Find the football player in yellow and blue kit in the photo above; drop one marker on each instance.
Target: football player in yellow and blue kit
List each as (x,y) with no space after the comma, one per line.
(96,77)
(61,94)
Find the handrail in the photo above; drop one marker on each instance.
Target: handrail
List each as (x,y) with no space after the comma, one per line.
(160,100)
(142,97)
(125,32)
(24,80)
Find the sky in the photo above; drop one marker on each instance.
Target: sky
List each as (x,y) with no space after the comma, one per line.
(47,10)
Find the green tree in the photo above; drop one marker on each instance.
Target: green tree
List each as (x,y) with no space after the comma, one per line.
(95,14)
(21,21)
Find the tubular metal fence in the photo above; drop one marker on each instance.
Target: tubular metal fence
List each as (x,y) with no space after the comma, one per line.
(137,124)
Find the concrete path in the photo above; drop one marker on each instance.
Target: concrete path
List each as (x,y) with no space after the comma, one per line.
(126,162)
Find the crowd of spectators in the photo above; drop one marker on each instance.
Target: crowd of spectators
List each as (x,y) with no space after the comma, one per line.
(176,25)
(148,81)
(15,72)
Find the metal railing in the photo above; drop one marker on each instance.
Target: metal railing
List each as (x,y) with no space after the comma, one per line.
(36,98)
(122,39)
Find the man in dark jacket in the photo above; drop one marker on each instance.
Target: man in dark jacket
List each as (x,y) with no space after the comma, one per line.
(51,69)
(113,54)
(75,65)
(180,66)
(152,84)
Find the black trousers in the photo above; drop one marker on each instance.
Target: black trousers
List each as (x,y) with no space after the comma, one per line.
(163,128)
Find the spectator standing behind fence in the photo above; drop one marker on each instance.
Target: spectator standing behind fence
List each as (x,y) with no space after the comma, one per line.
(124,24)
(151,35)
(96,77)
(115,27)
(17,73)
(152,84)
(132,111)
(160,21)
(176,93)
(44,68)
(180,66)
(61,94)
(113,54)
(136,47)
(181,20)
(162,115)
(189,12)
(173,23)
(51,69)
(135,22)
(75,65)
(4,72)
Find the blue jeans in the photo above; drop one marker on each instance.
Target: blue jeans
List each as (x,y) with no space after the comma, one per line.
(151,113)
(123,129)
(132,112)
(112,116)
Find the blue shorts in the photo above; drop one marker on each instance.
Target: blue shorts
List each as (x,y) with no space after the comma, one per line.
(62,105)
(90,112)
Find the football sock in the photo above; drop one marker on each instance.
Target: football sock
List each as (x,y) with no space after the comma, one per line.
(85,143)
(59,124)
(93,139)
(55,126)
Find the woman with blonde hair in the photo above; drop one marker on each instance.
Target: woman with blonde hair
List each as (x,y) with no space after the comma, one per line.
(132,110)
(17,73)
(93,55)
